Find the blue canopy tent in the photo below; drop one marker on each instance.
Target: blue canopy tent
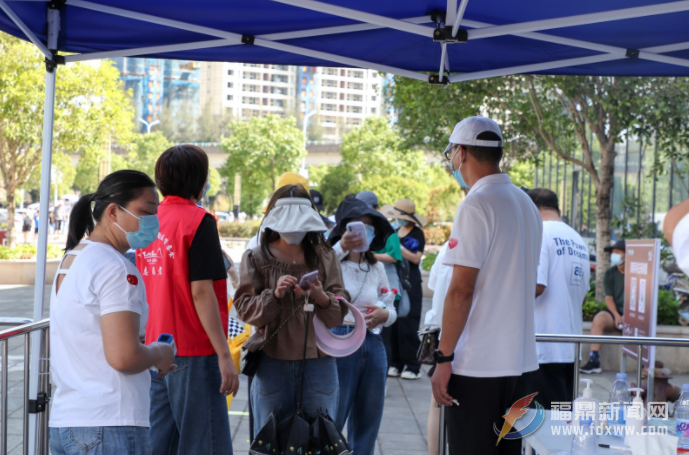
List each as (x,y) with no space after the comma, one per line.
(441,41)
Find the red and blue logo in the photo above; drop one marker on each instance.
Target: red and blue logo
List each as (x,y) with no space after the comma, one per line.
(516,412)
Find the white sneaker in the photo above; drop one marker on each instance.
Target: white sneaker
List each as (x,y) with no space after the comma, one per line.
(411,375)
(393,372)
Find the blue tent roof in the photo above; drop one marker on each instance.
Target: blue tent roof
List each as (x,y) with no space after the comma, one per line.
(86,30)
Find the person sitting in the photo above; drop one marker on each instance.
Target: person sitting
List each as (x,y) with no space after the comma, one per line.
(611,317)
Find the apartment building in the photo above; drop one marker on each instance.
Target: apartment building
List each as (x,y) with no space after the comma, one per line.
(248,89)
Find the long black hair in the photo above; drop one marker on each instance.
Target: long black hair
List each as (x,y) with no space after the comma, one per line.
(312,240)
(120,187)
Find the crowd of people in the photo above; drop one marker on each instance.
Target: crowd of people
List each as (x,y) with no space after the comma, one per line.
(510,269)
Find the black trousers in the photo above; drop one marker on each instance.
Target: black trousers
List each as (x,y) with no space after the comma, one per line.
(482,403)
(553,382)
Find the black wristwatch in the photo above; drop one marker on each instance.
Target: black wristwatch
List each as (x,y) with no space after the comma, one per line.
(440,358)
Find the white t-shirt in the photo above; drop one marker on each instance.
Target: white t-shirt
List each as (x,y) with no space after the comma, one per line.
(438,282)
(368,288)
(564,271)
(498,231)
(89,392)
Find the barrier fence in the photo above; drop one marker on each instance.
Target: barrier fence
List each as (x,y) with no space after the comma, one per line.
(578,340)
(38,406)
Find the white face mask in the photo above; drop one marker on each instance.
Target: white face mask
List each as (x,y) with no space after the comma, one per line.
(615,259)
(293,238)
(680,244)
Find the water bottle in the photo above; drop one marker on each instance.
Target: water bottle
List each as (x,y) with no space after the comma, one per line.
(682,418)
(619,399)
(585,441)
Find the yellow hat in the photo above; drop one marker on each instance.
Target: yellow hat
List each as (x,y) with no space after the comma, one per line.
(291,178)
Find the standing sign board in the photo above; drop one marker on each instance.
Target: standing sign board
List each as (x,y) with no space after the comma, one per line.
(642,260)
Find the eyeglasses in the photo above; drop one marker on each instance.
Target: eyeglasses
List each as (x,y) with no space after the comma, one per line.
(449,150)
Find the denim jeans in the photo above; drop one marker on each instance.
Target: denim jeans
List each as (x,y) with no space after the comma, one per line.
(276,384)
(99,441)
(362,378)
(188,412)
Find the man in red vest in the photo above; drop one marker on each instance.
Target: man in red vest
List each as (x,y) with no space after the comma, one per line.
(185,281)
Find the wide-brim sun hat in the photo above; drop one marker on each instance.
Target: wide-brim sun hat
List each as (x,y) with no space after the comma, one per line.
(404,209)
(293,214)
(341,345)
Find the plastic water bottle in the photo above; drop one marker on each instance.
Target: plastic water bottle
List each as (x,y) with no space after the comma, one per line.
(682,417)
(585,441)
(619,399)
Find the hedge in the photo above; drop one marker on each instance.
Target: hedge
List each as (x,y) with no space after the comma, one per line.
(241,230)
(26,251)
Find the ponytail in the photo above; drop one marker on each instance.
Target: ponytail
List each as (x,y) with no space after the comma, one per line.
(120,187)
(80,221)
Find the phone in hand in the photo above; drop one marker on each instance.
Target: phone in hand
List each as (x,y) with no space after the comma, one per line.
(167,339)
(226,262)
(308,278)
(359,229)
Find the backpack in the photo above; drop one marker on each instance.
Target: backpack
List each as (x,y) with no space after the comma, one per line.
(27,221)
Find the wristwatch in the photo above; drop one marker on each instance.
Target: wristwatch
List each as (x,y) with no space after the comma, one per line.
(440,358)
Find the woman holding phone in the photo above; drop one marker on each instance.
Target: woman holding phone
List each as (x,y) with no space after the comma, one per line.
(98,313)
(362,375)
(270,298)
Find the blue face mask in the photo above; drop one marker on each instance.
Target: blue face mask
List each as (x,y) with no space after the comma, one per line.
(458,174)
(370,233)
(147,233)
(402,223)
(615,259)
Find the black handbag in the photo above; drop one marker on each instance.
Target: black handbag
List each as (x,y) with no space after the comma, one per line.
(430,338)
(249,360)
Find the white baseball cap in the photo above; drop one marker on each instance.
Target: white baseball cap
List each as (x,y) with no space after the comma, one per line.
(467,131)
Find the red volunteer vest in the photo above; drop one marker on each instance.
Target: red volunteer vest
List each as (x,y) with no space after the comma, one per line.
(164,266)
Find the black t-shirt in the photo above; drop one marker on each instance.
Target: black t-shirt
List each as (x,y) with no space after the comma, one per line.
(418,246)
(205,255)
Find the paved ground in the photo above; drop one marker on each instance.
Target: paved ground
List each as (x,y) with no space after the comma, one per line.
(403,431)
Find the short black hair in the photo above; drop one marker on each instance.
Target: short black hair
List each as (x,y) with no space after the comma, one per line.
(486,155)
(544,198)
(182,171)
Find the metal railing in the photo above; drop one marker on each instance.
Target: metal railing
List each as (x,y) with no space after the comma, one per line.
(578,340)
(38,406)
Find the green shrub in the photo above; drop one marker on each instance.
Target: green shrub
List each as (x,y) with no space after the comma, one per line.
(668,308)
(437,234)
(242,230)
(28,252)
(428,261)
(591,308)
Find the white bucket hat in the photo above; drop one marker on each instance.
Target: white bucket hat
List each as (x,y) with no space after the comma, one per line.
(293,214)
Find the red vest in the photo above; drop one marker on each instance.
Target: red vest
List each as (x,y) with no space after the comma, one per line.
(164,266)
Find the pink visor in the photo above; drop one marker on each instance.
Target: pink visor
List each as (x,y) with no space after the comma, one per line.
(341,345)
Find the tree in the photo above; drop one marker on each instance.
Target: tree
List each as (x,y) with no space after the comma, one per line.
(212,128)
(91,107)
(260,150)
(557,113)
(145,151)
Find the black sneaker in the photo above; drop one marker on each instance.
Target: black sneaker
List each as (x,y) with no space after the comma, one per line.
(591,367)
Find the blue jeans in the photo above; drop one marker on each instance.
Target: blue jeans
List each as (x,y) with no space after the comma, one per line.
(99,441)
(362,378)
(188,412)
(276,384)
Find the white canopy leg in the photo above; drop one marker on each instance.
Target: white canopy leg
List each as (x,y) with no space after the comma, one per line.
(42,247)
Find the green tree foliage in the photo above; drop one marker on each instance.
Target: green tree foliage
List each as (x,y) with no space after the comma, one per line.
(145,151)
(260,150)
(91,108)
(556,113)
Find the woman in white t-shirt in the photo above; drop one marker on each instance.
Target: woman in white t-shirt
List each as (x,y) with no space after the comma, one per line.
(98,313)
(363,374)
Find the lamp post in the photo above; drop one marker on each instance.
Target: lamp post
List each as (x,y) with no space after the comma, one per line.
(303,171)
(149,125)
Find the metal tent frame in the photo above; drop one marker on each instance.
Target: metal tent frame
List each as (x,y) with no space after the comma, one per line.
(440,27)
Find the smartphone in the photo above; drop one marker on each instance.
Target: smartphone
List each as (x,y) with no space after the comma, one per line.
(226,261)
(167,339)
(359,229)
(308,278)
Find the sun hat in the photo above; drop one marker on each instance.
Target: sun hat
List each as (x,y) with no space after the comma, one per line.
(292,178)
(467,131)
(355,208)
(340,345)
(369,197)
(293,214)
(619,245)
(404,209)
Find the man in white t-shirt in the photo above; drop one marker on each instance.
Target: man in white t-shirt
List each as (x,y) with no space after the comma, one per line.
(488,338)
(563,281)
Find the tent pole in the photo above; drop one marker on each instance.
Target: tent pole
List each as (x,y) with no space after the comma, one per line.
(42,247)
(460,16)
